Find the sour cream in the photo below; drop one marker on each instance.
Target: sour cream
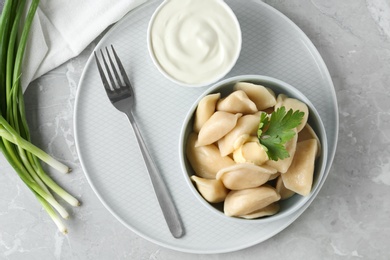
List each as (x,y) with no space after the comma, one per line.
(194,42)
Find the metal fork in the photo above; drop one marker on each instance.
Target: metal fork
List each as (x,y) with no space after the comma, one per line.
(120,92)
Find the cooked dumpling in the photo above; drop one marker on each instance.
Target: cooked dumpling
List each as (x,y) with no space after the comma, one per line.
(211,189)
(246,126)
(274,176)
(308,133)
(205,110)
(263,97)
(244,175)
(280,99)
(299,177)
(218,125)
(243,202)
(269,210)
(250,151)
(206,160)
(282,190)
(294,104)
(237,102)
(283,165)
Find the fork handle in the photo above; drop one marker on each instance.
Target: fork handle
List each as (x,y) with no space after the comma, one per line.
(163,196)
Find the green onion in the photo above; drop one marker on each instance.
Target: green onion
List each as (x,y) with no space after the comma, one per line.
(12,136)
(15,142)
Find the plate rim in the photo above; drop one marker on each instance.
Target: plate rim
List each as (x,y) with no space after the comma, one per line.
(331,148)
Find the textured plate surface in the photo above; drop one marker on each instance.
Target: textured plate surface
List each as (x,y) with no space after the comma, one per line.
(108,151)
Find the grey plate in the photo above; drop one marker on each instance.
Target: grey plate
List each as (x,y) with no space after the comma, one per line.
(272,46)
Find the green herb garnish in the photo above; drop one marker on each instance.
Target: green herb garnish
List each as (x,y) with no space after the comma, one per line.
(276,130)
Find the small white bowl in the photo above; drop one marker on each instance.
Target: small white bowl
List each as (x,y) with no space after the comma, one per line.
(212,79)
(225,87)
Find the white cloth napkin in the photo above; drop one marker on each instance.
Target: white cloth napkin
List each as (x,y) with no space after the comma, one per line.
(62,29)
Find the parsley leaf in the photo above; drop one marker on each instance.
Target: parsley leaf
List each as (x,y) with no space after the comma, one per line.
(276,130)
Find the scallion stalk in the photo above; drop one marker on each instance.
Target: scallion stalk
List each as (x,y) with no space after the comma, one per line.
(9,134)
(6,19)
(15,143)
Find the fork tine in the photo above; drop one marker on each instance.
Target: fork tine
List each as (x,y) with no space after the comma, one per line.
(122,70)
(102,75)
(113,67)
(108,71)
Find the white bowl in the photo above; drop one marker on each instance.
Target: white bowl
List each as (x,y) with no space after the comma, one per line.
(225,87)
(231,60)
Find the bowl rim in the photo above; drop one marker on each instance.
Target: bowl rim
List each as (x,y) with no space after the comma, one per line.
(297,94)
(196,85)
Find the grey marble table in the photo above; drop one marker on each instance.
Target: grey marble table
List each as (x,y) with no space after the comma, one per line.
(350,218)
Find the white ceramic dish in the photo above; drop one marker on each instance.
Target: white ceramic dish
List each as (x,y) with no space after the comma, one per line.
(229,15)
(272,46)
(225,87)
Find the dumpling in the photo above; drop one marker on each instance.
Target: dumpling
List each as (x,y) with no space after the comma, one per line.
(244,202)
(211,190)
(282,190)
(205,110)
(218,125)
(294,104)
(274,176)
(299,177)
(269,210)
(283,165)
(308,133)
(237,102)
(244,175)
(246,126)
(206,161)
(251,151)
(280,99)
(263,97)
